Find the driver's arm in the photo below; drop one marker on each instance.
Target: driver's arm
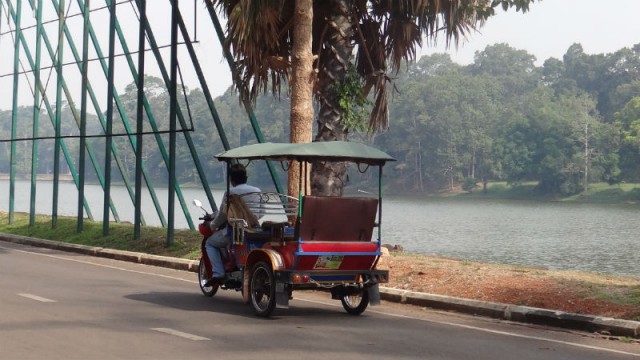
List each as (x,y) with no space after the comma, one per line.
(221,216)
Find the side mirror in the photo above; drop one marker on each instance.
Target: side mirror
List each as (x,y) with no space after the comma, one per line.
(198,203)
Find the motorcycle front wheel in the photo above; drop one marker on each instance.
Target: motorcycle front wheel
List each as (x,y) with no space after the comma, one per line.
(208,291)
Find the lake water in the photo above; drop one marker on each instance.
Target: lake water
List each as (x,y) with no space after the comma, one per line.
(598,238)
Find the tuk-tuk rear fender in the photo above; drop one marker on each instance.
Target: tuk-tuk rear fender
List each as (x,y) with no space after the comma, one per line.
(268,256)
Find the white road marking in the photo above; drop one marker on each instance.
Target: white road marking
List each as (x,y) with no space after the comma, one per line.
(180,334)
(36,297)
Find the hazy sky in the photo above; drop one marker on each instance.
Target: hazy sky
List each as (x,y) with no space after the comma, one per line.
(546,31)
(551,26)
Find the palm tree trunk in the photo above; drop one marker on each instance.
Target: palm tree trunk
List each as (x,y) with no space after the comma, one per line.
(329,178)
(301,85)
(419,166)
(586,157)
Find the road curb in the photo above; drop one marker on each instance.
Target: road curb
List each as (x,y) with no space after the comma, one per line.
(129,256)
(603,325)
(525,314)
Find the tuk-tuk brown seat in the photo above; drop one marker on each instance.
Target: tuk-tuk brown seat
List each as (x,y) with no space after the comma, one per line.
(329,218)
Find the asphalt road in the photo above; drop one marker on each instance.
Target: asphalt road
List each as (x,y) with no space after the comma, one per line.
(56,305)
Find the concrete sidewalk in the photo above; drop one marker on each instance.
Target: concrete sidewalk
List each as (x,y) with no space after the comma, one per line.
(603,325)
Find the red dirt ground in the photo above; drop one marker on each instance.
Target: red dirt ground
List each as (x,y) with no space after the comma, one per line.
(575,292)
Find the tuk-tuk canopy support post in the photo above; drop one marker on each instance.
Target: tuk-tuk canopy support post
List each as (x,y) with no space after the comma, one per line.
(379,205)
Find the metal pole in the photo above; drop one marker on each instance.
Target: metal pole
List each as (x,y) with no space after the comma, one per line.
(14,113)
(58,121)
(83,115)
(142,7)
(195,21)
(212,108)
(101,117)
(173,102)
(109,139)
(246,103)
(151,119)
(50,111)
(123,114)
(36,116)
(187,136)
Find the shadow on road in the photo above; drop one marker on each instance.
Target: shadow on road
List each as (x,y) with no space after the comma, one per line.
(232,305)
(191,301)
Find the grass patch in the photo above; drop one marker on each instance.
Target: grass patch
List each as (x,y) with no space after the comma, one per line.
(153,240)
(603,193)
(623,295)
(502,190)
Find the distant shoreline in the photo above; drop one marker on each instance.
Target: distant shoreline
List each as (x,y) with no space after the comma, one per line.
(599,193)
(44,177)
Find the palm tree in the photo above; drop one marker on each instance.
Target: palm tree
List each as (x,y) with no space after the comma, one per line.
(368,37)
(302,78)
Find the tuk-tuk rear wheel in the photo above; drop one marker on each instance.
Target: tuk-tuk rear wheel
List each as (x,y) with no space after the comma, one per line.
(355,303)
(262,289)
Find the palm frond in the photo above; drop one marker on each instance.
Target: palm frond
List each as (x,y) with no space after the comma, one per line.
(379,119)
(259,37)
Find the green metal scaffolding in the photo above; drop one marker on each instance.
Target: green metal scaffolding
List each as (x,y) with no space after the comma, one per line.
(12,15)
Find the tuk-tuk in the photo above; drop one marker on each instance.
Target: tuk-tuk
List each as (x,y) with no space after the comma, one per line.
(324,242)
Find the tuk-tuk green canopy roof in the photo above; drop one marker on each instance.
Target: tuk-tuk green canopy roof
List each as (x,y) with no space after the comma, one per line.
(315,151)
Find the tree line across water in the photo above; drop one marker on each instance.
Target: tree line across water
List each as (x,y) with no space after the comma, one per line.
(565,124)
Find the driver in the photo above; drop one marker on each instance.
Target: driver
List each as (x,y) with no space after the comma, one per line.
(220,239)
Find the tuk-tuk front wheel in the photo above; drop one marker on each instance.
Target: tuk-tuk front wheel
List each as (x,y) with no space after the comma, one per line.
(355,303)
(262,289)
(208,291)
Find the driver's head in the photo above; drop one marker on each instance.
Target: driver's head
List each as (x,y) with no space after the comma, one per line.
(238,174)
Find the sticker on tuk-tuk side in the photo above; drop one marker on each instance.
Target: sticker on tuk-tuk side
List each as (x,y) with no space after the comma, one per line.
(330,262)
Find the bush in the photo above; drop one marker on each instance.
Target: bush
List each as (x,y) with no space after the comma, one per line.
(469,184)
